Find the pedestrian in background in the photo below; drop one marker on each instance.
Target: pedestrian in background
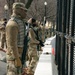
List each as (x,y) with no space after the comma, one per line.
(32,47)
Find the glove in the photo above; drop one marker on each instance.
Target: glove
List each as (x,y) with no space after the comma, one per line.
(18,62)
(41,43)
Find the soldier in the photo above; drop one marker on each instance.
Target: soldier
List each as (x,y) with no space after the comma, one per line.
(3,35)
(15,30)
(42,32)
(32,48)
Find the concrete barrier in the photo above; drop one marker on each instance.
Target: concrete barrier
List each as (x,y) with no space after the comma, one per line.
(46,64)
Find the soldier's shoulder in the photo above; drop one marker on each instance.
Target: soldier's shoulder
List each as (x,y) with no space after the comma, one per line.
(30,29)
(11,23)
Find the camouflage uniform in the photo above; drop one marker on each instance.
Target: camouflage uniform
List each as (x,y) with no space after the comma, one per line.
(42,33)
(2,30)
(14,39)
(32,50)
(38,33)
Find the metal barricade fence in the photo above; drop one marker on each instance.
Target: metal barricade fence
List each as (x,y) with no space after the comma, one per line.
(65,37)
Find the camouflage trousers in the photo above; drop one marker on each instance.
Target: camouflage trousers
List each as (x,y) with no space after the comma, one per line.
(12,69)
(3,40)
(11,66)
(32,58)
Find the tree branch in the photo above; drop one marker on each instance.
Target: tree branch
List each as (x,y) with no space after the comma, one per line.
(28,3)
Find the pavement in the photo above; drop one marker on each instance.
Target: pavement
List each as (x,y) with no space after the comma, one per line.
(2,64)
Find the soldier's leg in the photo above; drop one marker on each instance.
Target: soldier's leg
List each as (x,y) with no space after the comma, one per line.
(32,62)
(2,40)
(20,50)
(11,68)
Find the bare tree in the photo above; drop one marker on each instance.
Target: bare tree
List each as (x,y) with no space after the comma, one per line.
(37,9)
(10,2)
(23,1)
(28,3)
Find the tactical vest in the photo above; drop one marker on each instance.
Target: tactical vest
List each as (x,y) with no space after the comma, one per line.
(21,33)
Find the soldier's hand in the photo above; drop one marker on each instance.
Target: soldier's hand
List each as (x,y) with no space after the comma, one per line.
(18,62)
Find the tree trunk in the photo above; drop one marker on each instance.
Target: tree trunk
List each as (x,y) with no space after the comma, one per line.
(10,2)
(28,3)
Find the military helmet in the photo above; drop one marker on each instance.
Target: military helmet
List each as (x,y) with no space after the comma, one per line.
(19,5)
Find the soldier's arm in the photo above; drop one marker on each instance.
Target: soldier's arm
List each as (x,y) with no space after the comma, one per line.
(32,36)
(11,37)
(2,28)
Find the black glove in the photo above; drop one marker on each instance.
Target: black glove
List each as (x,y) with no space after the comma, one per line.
(41,43)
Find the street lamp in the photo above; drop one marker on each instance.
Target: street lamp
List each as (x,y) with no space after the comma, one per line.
(6,9)
(45,3)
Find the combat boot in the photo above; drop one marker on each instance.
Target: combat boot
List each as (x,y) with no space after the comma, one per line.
(28,71)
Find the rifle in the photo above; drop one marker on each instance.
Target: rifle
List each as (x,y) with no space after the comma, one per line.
(23,58)
(41,43)
(26,39)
